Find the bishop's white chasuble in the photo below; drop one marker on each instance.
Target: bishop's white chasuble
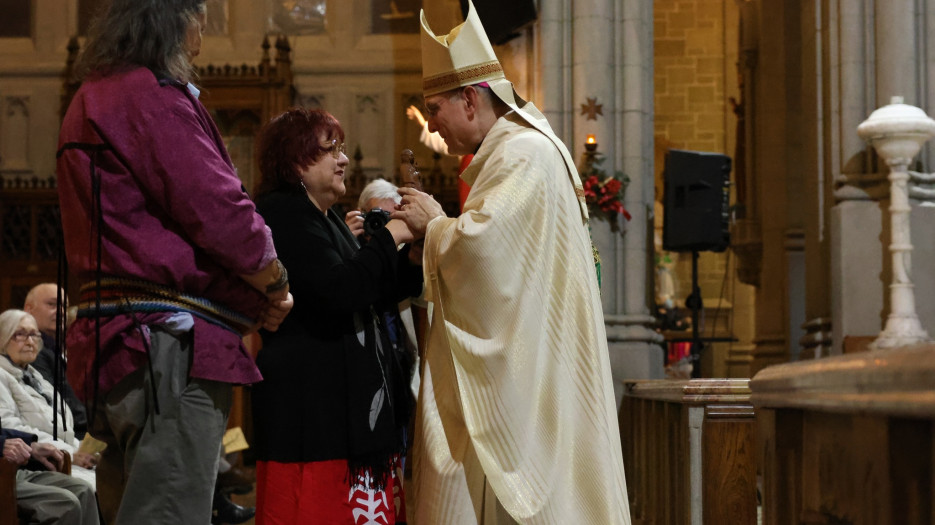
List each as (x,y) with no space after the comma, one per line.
(516,401)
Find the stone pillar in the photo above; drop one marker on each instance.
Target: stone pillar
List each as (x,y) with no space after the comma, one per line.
(897,67)
(630,328)
(555,42)
(771,164)
(816,341)
(856,263)
(602,49)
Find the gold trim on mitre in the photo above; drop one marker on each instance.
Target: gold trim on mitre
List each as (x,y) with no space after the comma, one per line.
(461,58)
(464,77)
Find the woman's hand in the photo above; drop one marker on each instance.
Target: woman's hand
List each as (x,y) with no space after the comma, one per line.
(16,450)
(400,231)
(417,210)
(354,220)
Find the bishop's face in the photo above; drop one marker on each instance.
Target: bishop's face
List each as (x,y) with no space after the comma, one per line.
(447,114)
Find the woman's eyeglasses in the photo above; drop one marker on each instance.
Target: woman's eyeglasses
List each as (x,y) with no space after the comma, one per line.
(19,337)
(336,149)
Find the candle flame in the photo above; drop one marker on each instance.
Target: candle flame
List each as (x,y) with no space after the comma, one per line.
(591,139)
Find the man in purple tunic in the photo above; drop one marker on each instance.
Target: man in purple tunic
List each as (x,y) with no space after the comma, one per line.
(174,263)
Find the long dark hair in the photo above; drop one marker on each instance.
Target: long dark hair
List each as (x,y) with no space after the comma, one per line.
(148,33)
(289,143)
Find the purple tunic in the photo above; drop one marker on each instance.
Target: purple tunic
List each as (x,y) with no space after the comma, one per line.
(174,212)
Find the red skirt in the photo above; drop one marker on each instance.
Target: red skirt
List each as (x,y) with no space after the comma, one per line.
(318,492)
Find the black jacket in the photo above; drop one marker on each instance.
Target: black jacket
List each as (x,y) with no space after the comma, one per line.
(300,408)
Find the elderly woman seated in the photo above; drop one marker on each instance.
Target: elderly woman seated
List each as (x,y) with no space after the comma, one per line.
(26,402)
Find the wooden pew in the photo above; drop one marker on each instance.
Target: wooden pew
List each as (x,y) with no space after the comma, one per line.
(689,452)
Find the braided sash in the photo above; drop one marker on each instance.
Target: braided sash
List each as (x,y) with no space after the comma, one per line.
(122,296)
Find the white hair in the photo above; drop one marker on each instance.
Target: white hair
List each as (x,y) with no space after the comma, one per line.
(378,189)
(9,322)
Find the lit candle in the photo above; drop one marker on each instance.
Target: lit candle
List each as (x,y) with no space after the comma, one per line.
(590,143)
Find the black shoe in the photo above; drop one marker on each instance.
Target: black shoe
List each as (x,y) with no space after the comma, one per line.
(226,511)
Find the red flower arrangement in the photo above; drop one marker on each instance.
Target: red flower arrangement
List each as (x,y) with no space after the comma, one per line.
(603,193)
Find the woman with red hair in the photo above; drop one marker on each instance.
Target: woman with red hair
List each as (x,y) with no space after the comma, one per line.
(330,411)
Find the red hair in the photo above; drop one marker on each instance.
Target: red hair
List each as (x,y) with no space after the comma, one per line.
(291,142)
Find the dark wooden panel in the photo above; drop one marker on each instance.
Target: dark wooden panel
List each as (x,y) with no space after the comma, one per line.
(729,465)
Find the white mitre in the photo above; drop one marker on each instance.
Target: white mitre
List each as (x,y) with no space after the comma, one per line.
(464,57)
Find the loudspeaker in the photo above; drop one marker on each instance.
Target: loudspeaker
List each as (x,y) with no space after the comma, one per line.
(502,19)
(697,214)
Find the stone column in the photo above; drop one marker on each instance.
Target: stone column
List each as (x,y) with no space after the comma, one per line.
(818,185)
(770,149)
(856,263)
(555,43)
(602,49)
(630,327)
(897,66)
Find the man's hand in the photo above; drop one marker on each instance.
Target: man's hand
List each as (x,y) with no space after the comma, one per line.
(274,313)
(51,457)
(354,220)
(417,210)
(16,450)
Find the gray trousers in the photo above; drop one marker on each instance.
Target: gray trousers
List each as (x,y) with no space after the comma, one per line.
(161,469)
(53,497)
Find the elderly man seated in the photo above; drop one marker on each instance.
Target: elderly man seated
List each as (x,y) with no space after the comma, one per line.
(46,496)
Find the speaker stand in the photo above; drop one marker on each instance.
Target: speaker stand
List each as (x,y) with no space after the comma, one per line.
(694,303)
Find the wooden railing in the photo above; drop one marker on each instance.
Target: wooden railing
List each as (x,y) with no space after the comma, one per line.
(848,439)
(689,452)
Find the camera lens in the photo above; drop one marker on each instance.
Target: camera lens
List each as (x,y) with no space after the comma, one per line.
(374,220)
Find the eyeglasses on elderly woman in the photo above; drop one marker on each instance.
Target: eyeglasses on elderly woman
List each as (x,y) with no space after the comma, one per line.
(20,335)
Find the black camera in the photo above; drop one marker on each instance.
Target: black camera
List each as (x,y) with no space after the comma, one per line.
(374,220)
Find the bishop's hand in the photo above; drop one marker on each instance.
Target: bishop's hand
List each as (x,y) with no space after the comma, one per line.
(417,210)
